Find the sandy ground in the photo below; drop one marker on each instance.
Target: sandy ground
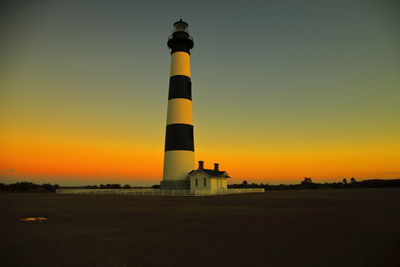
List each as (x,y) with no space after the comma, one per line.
(339,227)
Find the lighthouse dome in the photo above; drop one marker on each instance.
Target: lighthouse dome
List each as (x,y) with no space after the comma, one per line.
(180,26)
(180,40)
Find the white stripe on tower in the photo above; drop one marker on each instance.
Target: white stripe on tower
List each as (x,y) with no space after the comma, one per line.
(180,64)
(179,111)
(179,143)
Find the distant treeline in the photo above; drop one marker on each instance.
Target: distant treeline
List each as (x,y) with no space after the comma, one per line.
(31,187)
(307,183)
(104,186)
(28,187)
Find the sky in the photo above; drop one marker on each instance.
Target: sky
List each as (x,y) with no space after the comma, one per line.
(282,90)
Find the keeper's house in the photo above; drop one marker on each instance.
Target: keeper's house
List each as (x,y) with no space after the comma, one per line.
(206,179)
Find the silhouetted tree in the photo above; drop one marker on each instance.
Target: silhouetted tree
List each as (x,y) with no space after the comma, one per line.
(353,180)
(244,183)
(344,181)
(127,186)
(306,181)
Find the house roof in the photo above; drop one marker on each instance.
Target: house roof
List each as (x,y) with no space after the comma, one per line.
(211,173)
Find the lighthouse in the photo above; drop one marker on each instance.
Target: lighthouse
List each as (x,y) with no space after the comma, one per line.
(179,141)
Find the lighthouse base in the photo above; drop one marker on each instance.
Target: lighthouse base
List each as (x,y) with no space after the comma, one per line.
(175,184)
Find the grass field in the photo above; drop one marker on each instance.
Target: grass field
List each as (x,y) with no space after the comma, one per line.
(348,227)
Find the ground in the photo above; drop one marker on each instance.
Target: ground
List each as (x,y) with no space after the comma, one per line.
(338,227)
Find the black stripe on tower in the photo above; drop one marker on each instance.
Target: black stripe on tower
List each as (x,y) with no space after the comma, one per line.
(179,137)
(180,41)
(180,86)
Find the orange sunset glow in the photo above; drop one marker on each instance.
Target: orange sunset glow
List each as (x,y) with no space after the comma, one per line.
(307,98)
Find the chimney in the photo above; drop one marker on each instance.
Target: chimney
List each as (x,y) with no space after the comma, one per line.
(201,164)
(216,167)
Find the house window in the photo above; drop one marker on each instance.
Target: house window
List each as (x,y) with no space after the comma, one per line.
(197,183)
(205,181)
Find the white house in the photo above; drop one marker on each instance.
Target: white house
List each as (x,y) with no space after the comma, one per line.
(206,179)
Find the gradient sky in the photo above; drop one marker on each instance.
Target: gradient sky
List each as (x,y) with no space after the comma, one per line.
(281,89)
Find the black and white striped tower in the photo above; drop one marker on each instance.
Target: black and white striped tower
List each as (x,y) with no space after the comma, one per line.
(179,142)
